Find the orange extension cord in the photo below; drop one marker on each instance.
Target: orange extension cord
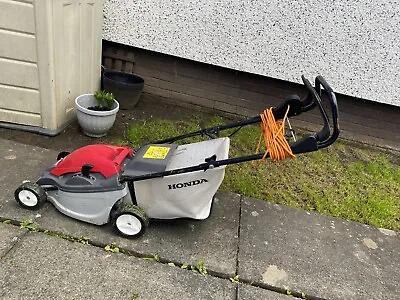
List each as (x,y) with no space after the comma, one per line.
(274,137)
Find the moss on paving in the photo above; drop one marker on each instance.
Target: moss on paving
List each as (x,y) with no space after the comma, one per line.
(346,180)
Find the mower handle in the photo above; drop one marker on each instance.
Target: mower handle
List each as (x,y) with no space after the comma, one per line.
(324,138)
(296,106)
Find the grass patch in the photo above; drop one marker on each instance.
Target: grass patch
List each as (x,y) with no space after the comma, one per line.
(345,180)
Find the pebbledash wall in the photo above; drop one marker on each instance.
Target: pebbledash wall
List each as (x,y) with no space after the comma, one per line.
(241,57)
(353,44)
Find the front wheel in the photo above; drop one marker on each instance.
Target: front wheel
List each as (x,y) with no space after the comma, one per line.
(30,195)
(130,220)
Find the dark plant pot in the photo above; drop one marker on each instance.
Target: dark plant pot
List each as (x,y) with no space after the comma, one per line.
(126,87)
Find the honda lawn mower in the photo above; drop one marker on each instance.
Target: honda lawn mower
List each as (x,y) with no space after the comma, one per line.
(102,184)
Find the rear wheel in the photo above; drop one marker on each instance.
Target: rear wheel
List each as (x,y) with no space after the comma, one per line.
(130,220)
(30,195)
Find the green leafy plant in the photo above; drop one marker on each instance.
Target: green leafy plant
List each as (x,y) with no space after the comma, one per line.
(28,224)
(104,99)
(201,268)
(112,248)
(235,279)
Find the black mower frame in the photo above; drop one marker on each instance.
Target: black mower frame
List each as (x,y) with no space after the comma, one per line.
(309,143)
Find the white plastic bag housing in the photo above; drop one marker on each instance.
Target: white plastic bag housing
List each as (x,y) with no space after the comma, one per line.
(187,195)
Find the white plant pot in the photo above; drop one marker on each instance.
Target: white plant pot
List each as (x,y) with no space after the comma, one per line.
(94,123)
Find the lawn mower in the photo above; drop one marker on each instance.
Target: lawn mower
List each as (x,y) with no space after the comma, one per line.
(102,184)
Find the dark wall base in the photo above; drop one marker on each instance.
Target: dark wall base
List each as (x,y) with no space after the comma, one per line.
(188,83)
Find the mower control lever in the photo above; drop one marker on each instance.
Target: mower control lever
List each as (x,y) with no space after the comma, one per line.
(86,170)
(209,162)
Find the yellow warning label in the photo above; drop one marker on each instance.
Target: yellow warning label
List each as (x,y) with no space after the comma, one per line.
(156,152)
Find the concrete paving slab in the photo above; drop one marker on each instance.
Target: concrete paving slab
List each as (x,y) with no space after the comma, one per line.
(321,256)
(9,236)
(214,240)
(20,162)
(247,292)
(65,270)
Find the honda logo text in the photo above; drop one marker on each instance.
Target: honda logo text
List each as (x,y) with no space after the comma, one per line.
(186,184)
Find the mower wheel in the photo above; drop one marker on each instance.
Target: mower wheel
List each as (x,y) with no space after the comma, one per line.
(130,220)
(30,195)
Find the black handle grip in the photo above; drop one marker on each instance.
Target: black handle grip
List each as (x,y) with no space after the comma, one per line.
(324,133)
(304,145)
(326,136)
(320,81)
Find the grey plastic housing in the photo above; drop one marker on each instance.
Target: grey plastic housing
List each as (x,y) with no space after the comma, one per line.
(77,183)
(142,166)
(93,208)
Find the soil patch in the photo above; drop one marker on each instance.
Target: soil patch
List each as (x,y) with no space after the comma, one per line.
(72,137)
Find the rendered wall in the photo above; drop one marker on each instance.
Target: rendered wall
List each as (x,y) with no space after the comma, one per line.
(354,44)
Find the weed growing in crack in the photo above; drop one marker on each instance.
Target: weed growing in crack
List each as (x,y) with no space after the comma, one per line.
(112,248)
(152,257)
(28,224)
(201,268)
(68,237)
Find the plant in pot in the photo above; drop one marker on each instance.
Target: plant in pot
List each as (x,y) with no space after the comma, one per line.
(96,112)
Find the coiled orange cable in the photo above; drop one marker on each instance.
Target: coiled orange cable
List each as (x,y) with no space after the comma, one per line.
(273,132)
